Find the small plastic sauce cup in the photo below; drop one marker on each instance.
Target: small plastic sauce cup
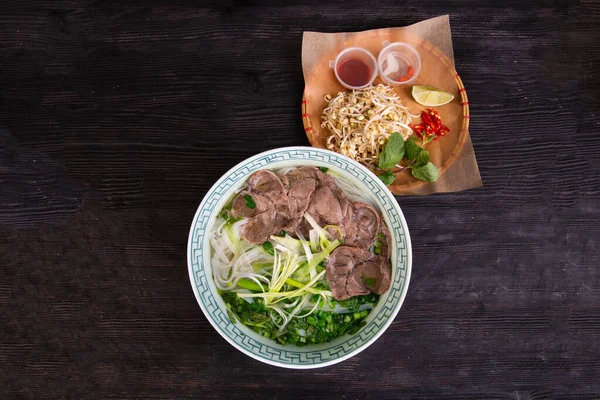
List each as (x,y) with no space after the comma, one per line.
(355,68)
(399,63)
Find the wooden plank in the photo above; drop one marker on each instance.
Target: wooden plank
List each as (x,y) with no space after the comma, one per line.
(116,119)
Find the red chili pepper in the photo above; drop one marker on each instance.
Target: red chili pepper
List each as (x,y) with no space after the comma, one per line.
(431,126)
(410,71)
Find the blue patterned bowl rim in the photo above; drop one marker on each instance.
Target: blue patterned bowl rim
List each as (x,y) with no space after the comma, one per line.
(266,350)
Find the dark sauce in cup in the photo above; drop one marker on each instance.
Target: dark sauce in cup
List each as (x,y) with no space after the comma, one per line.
(354,72)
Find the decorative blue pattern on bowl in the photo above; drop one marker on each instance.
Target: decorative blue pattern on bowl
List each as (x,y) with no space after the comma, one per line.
(267,350)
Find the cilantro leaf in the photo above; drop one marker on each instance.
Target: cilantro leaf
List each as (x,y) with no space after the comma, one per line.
(393,152)
(324,169)
(387,177)
(428,172)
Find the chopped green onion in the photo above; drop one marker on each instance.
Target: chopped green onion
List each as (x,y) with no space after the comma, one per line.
(268,247)
(250,285)
(250,201)
(377,247)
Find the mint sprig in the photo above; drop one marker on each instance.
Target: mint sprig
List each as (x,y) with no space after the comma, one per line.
(393,151)
(387,177)
(428,172)
(417,159)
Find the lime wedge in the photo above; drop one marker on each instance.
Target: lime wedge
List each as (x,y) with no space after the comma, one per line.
(430,96)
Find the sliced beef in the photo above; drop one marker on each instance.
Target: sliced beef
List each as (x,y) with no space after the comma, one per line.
(266,183)
(375,274)
(385,238)
(270,185)
(302,183)
(355,286)
(349,227)
(325,179)
(353,271)
(341,263)
(240,207)
(366,220)
(341,212)
(259,228)
(327,208)
(285,181)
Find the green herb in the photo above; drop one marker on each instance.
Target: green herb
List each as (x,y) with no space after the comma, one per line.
(387,177)
(353,304)
(282,233)
(225,215)
(324,169)
(380,236)
(268,247)
(416,158)
(232,317)
(411,150)
(427,172)
(368,281)
(249,201)
(377,247)
(319,327)
(393,152)
(422,159)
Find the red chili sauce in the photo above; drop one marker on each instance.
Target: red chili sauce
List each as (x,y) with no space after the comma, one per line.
(354,72)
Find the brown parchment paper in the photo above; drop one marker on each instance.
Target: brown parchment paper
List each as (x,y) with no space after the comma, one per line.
(453,153)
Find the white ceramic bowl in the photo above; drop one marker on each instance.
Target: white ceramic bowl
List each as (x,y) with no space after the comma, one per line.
(267,350)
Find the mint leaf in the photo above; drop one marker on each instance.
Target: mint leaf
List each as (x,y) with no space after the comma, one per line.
(387,177)
(411,150)
(427,172)
(422,159)
(393,152)
(249,201)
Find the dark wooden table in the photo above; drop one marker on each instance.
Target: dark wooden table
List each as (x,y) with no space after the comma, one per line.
(116,119)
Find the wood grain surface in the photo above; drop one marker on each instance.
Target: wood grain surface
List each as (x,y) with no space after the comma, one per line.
(116,118)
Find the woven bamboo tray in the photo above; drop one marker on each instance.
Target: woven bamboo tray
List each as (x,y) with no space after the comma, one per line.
(437,70)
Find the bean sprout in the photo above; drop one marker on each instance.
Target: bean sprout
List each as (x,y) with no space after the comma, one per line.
(361,122)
